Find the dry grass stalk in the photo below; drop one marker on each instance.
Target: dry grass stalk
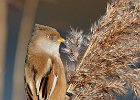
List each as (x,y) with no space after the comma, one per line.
(105,70)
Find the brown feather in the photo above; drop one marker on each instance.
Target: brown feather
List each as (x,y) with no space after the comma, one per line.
(60,88)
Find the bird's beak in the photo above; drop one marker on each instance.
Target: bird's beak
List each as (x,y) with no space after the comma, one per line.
(60,40)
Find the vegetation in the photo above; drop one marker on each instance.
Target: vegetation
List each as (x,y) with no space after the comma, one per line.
(108,66)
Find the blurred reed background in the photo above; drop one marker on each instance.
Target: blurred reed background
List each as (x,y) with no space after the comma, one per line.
(17,18)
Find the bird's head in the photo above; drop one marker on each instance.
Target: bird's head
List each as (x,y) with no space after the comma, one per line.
(46,39)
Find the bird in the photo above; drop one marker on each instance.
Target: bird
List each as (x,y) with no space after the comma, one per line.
(44,71)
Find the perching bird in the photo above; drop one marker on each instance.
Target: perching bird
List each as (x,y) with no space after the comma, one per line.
(44,72)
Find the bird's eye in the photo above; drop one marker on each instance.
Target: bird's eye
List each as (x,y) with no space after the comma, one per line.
(49,37)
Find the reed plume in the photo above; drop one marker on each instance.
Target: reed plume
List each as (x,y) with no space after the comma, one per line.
(108,66)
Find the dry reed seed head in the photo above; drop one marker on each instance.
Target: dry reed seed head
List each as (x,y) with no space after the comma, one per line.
(114,45)
(76,42)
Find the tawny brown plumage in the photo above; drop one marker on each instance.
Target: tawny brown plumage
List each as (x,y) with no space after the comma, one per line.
(44,71)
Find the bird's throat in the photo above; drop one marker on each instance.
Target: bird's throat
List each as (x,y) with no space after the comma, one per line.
(46,46)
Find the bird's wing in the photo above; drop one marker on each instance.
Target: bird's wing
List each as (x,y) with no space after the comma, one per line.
(52,81)
(36,76)
(43,85)
(28,91)
(54,84)
(55,77)
(48,84)
(29,84)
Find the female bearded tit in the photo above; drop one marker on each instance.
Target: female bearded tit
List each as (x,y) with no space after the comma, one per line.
(44,72)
